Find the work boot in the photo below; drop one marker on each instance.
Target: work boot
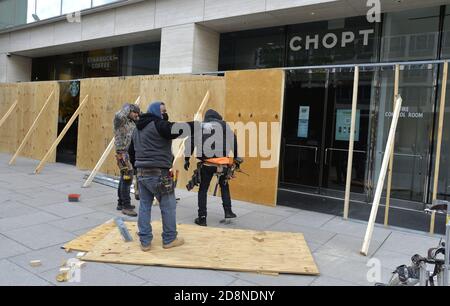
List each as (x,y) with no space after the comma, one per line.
(201,221)
(146,248)
(120,206)
(229,214)
(176,243)
(129,212)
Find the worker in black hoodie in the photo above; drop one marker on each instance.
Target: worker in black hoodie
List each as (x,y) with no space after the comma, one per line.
(153,158)
(222,145)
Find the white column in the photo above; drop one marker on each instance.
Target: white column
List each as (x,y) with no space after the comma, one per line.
(189,48)
(14,68)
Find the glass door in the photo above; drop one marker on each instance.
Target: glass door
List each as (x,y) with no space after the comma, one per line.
(302,140)
(337,133)
(316,129)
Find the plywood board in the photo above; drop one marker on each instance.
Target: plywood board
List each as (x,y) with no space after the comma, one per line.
(86,242)
(8,132)
(47,130)
(31,97)
(212,248)
(256,97)
(106,96)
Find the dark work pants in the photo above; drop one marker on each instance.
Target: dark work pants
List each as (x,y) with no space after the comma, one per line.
(207,174)
(123,192)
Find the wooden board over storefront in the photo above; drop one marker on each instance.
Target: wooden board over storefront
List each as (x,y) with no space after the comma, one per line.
(256,98)
(31,97)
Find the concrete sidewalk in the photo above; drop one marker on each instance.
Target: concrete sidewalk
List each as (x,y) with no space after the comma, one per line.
(36,220)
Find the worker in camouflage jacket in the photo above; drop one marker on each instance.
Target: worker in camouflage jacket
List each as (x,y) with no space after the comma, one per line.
(124,125)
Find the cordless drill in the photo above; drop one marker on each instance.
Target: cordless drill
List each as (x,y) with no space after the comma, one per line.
(125,169)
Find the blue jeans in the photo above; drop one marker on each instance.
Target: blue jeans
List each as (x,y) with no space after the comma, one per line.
(167,203)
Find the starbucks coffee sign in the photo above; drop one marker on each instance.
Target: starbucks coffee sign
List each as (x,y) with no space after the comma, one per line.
(330,40)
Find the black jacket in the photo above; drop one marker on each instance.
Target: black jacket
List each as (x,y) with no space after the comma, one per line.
(203,131)
(151,145)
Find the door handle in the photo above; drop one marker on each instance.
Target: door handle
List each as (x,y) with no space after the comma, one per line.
(340,150)
(316,150)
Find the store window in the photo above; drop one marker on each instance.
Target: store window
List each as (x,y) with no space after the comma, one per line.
(411,35)
(340,41)
(142,59)
(414,130)
(262,48)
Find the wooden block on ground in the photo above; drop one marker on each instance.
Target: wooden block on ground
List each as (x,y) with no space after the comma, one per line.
(63,275)
(35,263)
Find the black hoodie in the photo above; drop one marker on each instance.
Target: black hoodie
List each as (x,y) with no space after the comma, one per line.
(152,142)
(207,129)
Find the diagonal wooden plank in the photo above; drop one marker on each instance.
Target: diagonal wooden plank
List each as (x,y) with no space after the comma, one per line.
(61,135)
(31,130)
(104,156)
(8,113)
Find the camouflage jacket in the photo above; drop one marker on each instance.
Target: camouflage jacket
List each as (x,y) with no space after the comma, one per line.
(123,129)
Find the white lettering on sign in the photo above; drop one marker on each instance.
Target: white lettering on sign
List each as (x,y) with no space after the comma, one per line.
(101,62)
(347,37)
(329,40)
(293,44)
(334,40)
(406,113)
(365,34)
(314,40)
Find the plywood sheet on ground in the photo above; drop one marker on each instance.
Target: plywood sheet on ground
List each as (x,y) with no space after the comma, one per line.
(256,98)
(86,242)
(212,248)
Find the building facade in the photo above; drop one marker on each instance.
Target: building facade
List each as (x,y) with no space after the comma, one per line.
(317,42)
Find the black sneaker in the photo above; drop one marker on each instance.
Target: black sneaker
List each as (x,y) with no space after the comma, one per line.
(201,221)
(229,214)
(119,207)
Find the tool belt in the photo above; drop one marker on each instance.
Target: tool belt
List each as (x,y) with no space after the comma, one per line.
(166,185)
(221,163)
(224,167)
